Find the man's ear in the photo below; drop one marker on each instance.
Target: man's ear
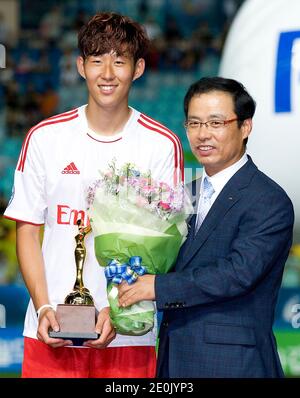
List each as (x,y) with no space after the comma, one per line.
(80,66)
(246,128)
(139,68)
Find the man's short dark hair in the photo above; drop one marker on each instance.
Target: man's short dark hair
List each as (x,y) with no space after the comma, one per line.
(244,104)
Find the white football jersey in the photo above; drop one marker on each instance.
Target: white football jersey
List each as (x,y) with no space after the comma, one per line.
(59,159)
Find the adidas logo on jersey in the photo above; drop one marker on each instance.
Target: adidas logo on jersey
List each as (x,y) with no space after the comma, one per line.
(70,169)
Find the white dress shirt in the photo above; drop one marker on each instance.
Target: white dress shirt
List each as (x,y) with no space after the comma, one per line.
(218,181)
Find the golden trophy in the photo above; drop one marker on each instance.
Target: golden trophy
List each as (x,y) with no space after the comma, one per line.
(77,316)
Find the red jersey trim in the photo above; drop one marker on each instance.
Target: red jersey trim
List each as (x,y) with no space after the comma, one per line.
(154,122)
(104,142)
(27,222)
(22,159)
(178,152)
(69,113)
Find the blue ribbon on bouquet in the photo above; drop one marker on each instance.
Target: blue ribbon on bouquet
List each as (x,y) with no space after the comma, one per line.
(116,272)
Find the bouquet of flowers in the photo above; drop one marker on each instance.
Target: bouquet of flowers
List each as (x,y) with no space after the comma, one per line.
(139,225)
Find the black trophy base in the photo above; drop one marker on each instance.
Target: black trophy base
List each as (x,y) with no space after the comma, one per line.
(76,322)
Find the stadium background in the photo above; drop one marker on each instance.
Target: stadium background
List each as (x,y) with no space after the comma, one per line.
(40,79)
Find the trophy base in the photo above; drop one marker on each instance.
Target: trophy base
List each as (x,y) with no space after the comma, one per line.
(76,322)
(77,340)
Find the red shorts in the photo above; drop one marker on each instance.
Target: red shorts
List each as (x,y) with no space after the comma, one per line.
(41,360)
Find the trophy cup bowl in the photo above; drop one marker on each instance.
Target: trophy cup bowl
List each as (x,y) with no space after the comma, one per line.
(77,316)
(79,297)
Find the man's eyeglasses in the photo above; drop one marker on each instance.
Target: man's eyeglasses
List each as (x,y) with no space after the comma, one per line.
(195,125)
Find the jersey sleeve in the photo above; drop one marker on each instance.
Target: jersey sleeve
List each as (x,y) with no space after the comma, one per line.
(171,168)
(28,200)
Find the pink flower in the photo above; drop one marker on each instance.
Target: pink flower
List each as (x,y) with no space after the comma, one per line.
(147,190)
(164,205)
(144,182)
(108,174)
(164,187)
(141,202)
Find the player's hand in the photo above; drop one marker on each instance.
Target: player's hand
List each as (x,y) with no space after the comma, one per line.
(47,320)
(105,328)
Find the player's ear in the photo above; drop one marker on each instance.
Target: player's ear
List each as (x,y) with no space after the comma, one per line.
(80,66)
(139,68)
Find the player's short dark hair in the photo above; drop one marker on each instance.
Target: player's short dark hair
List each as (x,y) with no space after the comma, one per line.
(109,31)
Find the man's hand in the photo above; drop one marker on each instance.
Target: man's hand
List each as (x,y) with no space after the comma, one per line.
(106,330)
(142,289)
(48,320)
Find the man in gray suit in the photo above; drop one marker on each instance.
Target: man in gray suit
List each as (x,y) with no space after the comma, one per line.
(220,299)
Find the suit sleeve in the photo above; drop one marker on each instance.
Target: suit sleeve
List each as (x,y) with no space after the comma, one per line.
(263,242)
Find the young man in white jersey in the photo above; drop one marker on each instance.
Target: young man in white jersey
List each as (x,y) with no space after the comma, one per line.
(60,158)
